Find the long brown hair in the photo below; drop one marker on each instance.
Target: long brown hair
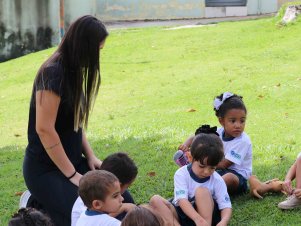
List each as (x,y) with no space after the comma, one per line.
(78,54)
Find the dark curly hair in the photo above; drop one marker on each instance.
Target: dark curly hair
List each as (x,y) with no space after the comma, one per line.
(206,129)
(233,102)
(30,217)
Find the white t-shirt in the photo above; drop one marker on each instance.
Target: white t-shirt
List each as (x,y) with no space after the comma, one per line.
(77,209)
(238,151)
(94,218)
(186,183)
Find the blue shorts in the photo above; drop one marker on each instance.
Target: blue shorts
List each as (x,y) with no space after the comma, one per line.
(184,220)
(242,184)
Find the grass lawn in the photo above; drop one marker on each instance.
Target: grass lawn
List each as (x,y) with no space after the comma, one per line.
(150,77)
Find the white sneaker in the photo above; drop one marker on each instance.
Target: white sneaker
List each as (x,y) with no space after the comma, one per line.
(24,199)
(290,203)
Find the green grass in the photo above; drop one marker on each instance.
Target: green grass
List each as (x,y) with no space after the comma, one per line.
(150,77)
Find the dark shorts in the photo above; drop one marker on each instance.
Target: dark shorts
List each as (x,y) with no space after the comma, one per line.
(242,184)
(184,220)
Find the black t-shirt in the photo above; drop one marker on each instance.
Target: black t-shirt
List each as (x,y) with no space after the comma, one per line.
(52,79)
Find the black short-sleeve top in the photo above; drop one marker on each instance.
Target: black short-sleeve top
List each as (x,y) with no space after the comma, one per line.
(53,80)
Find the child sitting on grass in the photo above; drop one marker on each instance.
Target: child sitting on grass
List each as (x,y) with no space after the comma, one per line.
(30,217)
(124,168)
(236,167)
(200,193)
(100,192)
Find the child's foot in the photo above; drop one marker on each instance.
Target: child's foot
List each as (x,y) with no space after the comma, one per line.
(290,203)
(180,158)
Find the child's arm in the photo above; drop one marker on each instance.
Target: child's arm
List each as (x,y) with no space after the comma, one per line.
(224,164)
(186,145)
(291,174)
(225,217)
(188,209)
(126,207)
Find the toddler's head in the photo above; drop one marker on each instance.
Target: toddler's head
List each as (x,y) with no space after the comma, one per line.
(142,216)
(206,151)
(100,191)
(231,112)
(30,217)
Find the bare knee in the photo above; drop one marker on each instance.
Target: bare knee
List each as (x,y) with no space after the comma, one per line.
(201,191)
(231,181)
(298,161)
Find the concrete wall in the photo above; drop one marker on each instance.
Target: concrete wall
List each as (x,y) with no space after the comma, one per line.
(30,25)
(262,6)
(117,10)
(27,26)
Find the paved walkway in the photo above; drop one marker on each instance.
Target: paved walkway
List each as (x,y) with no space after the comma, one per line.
(182,22)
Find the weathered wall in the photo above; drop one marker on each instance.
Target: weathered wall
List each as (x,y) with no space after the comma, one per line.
(261,6)
(265,6)
(27,26)
(30,25)
(116,10)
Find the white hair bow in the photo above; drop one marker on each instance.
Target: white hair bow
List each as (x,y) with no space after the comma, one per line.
(217,102)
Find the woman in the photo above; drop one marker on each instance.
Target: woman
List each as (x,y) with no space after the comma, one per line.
(63,93)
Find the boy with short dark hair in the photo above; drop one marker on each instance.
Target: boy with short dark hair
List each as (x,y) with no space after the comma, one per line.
(200,193)
(124,168)
(100,192)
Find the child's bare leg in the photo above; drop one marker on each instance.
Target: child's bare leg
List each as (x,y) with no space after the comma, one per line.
(204,203)
(165,210)
(298,173)
(231,181)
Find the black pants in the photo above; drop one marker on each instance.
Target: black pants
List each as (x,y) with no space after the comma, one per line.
(51,190)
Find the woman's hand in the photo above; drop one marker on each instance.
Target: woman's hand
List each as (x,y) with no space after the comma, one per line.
(94,162)
(75,180)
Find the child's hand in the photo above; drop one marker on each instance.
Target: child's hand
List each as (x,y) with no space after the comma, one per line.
(287,187)
(189,157)
(201,222)
(183,147)
(221,223)
(297,193)
(127,207)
